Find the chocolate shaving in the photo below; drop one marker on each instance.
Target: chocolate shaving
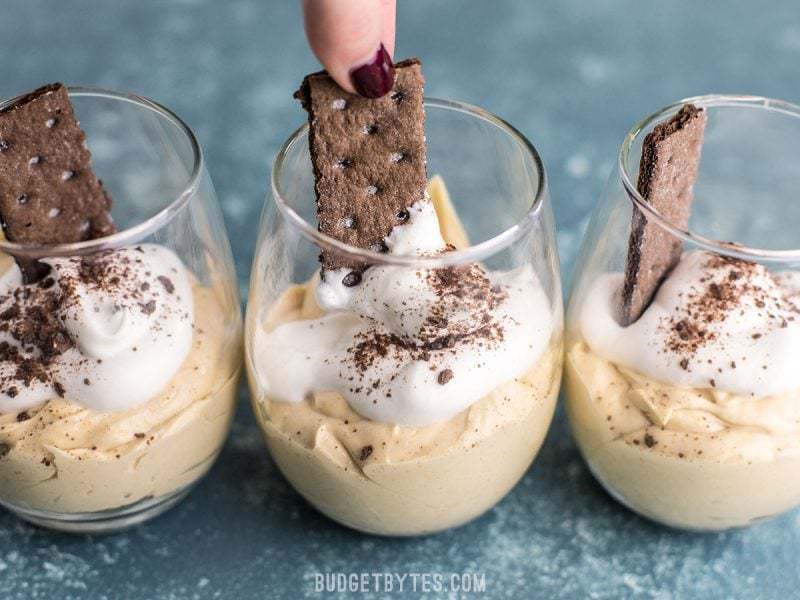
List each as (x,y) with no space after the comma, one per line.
(31,316)
(444,376)
(727,283)
(459,290)
(167,283)
(366,452)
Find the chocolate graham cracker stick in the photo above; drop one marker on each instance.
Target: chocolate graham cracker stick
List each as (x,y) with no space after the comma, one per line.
(48,192)
(368,157)
(667,172)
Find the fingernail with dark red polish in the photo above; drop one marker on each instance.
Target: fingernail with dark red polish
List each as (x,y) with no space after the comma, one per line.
(375,78)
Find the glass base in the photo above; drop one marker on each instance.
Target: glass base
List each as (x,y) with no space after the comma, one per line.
(101,522)
(665,522)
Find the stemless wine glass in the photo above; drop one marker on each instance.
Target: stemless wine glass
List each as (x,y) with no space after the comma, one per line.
(380,476)
(159,346)
(690,416)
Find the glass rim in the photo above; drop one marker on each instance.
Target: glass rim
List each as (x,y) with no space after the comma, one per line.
(136,232)
(473,253)
(726,248)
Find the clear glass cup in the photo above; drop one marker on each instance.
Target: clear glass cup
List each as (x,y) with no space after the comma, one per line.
(68,466)
(379,476)
(690,416)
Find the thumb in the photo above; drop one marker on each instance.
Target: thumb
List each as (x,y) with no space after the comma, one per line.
(354,39)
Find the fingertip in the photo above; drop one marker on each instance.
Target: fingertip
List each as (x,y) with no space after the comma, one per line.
(344,82)
(388,20)
(345,35)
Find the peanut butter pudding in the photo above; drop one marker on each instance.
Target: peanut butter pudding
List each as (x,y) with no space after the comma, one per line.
(118,368)
(392,435)
(686,401)
(398,399)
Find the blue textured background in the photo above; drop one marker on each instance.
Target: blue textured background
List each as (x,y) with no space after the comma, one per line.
(573,76)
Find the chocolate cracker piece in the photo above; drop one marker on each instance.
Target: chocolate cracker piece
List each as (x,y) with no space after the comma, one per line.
(368,157)
(48,192)
(667,173)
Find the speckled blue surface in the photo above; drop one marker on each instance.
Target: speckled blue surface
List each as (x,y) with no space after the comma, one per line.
(573,76)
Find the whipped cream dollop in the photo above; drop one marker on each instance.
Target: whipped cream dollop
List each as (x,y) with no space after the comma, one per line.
(715,322)
(106,331)
(410,346)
